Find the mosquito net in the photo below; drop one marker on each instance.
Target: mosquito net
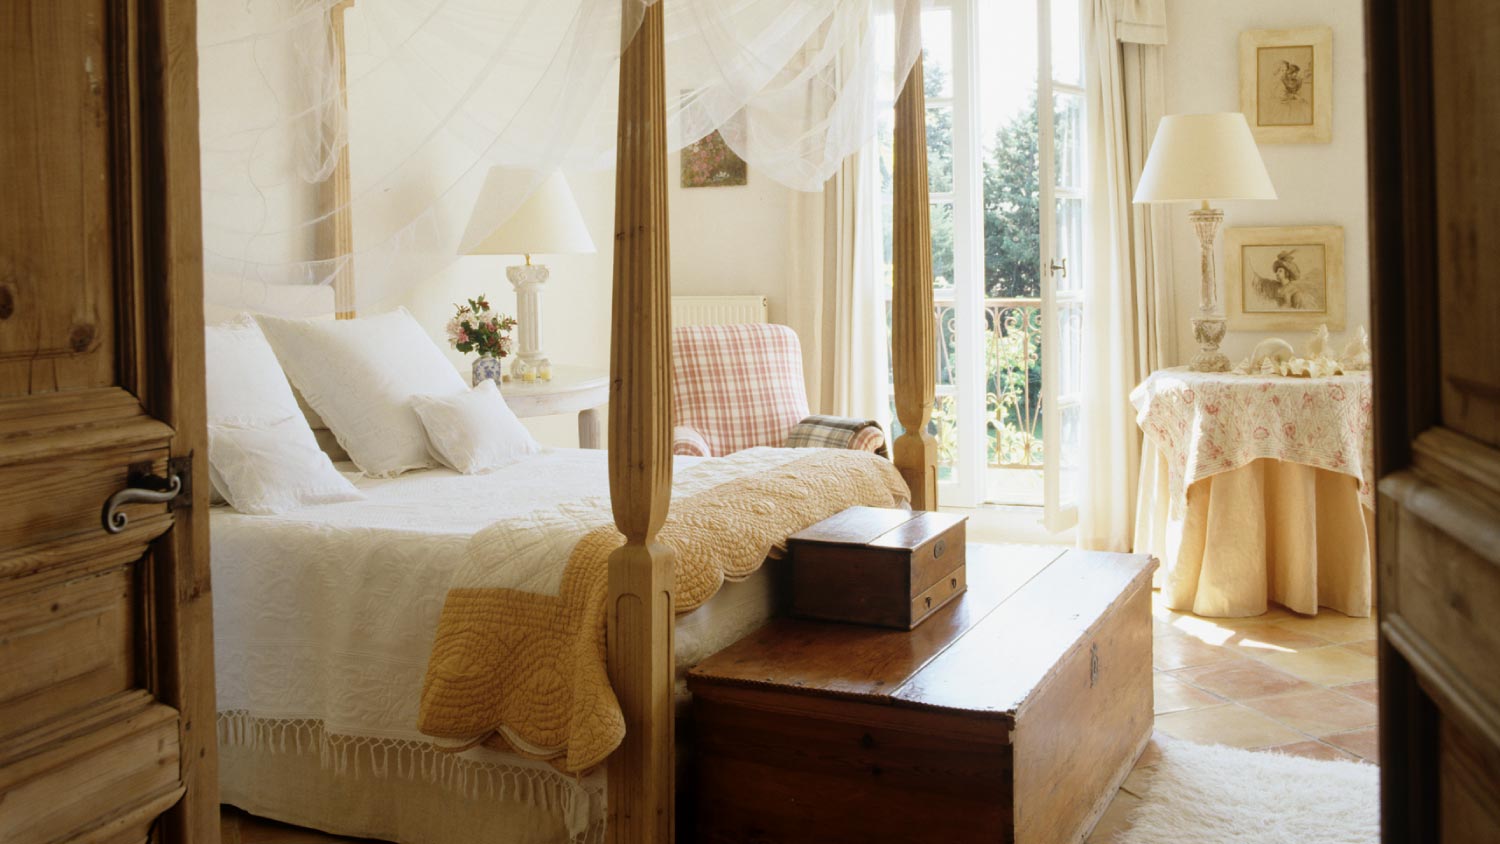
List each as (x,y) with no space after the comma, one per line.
(440,91)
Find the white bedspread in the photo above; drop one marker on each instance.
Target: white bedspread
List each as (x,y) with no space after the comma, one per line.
(328,613)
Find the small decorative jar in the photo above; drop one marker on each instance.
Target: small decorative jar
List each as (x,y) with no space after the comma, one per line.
(486,367)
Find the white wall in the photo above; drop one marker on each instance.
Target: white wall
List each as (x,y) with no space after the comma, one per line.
(1318,184)
(724,241)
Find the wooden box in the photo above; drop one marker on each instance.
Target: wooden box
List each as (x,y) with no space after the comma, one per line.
(1012,715)
(885,567)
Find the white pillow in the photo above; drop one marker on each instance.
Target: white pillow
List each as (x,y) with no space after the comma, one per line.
(269,469)
(245,384)
(474,432)
(262,455)
(360,376)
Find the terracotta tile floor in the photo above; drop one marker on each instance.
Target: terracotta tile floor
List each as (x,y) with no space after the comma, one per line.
(1280,681)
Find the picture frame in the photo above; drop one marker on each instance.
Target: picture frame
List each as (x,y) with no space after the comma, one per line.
(1286,84)
(710,163)
(1284,278)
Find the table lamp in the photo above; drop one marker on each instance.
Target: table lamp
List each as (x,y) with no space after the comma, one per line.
(1205,158)
(547,223)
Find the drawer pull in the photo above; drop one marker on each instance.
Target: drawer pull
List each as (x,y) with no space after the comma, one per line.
(939,547)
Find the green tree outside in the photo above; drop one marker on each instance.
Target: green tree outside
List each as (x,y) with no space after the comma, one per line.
(1011,200)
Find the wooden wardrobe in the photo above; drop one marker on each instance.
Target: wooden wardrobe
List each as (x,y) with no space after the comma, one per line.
(106,657)
(1434,124)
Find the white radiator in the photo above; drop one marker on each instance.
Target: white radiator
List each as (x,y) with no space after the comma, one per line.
(718,310)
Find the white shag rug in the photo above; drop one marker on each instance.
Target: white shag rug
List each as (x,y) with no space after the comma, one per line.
(1208,793)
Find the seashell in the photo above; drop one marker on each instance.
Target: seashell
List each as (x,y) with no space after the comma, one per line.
(1275,350)
(1317,344)
(1356,355)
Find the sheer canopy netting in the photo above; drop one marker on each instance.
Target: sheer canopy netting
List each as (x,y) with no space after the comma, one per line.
(439,92)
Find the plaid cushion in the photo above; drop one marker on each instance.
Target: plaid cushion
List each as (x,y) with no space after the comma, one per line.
(838,432)
(738,386)
(687,441)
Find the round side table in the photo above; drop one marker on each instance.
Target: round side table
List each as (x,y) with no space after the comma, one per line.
(573,389)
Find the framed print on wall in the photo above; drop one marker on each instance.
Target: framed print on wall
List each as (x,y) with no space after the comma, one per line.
(1284,278)
(1286,84)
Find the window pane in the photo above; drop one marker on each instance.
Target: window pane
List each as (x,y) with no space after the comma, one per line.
(1070,431)
(942,244)
(1067,38)
(940,149)
(1013,376)
(947,341)
(1067,136)
(1070,349)
(1070,243)
(1012,193)
(937,53)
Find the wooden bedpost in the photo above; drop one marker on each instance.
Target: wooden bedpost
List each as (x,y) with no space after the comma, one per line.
(335,233)
(641,617)
(912,321)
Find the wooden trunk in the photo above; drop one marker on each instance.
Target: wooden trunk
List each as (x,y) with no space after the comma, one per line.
(1012,715)
(885,567)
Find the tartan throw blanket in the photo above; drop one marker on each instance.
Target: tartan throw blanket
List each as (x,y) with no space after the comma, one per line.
(838,432)
(524,670)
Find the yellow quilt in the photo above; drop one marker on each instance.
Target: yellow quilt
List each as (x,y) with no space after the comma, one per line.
(525,672)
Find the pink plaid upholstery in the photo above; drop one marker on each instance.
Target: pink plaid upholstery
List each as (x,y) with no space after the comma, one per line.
(689,442)
(737,386)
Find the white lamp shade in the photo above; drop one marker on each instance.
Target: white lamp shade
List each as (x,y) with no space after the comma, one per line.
(547,223)
(1204,157)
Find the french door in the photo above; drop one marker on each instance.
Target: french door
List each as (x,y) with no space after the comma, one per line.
(1006,179)
(1060,115)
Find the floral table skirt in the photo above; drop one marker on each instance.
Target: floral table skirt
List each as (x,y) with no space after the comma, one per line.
(1269,531)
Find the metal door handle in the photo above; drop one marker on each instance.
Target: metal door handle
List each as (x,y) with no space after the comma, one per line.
(142,488)
(1059,265)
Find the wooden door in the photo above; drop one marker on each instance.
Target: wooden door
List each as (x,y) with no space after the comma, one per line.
(106,659)
(1435,188)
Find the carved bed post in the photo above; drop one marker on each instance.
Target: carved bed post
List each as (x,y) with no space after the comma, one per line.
(335,234)
(912,320)
(640,621)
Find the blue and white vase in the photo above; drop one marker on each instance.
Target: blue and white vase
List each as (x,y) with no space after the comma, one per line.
(486,367)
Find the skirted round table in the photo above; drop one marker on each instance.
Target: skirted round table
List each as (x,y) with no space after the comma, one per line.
(1257,488)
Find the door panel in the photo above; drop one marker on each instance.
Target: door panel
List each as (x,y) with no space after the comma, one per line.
(106,698)
(58,236)
(1466,121)
(1434,242)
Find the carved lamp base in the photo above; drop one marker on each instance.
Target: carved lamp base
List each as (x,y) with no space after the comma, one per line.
(1208,331)
(528,279)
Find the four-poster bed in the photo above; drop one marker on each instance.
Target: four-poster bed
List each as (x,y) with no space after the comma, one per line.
(641,790)
(641,605)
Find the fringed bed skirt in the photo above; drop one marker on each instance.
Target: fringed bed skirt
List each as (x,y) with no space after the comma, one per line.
(401,790)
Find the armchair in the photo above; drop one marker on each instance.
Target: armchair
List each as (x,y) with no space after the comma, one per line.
(740,386)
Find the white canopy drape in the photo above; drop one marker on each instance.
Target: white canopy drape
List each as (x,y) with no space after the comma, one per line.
(440,91)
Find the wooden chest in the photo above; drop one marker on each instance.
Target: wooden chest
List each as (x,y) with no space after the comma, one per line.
(1012,715)
(886,567)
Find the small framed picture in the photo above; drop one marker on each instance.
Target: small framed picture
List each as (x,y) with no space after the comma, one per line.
(709,162)
(1286,84)
(1284,278)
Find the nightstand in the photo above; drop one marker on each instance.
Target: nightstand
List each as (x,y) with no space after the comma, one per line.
(573,389)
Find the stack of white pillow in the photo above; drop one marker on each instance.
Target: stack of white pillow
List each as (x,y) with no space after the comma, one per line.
(382,386)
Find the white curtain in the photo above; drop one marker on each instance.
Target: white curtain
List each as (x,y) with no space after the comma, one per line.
(1128,331)
(854,348)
